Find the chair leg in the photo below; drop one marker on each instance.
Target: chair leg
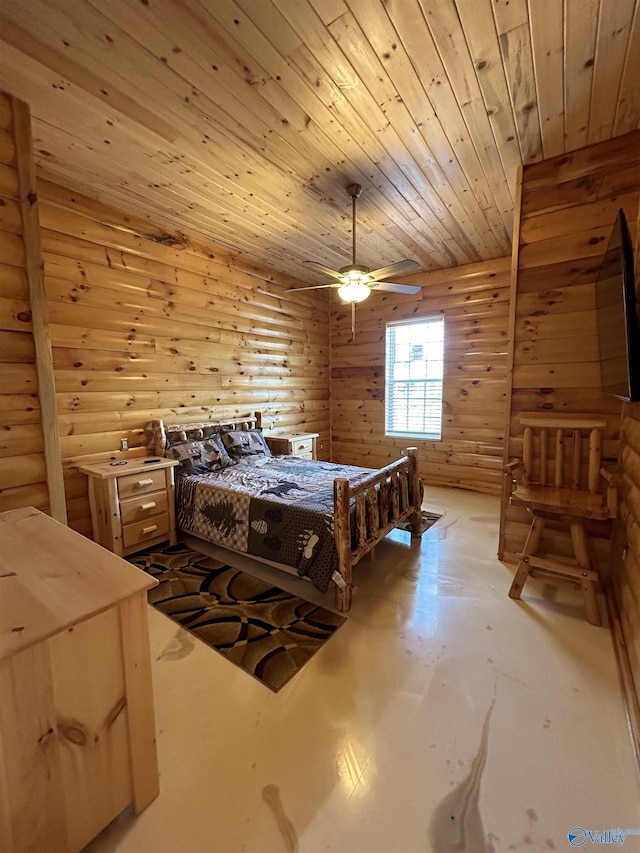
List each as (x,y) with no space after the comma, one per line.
(530,547)
(587,584)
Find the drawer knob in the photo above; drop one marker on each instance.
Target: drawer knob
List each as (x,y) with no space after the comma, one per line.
(148,482)
(149,505)
(147,530)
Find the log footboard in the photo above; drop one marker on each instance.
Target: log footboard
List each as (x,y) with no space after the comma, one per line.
(389,497)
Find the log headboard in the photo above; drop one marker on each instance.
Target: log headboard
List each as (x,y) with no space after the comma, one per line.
(164,433)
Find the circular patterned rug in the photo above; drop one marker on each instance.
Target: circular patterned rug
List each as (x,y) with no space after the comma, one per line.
(264,630)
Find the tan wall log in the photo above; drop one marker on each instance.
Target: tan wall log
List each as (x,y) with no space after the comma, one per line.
(474,301)
(142,330)
(625,565)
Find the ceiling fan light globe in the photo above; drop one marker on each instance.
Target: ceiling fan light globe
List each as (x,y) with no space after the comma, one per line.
(354,292)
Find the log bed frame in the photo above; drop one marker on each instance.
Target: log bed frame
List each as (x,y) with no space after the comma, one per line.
(386,499)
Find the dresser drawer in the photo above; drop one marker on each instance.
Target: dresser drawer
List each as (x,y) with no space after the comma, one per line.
(301,447)
(142,531)
(143,507)
(132,485)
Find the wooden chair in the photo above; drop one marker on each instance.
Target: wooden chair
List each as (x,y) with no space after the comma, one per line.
(560,478)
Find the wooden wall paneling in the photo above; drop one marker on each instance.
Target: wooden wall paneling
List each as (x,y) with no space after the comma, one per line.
(568,208)
(559,244)
(474,302)
(147,325)
(9,176)
(625,567)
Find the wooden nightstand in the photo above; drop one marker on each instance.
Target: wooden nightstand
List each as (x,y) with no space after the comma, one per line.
(132,505)
(293,444)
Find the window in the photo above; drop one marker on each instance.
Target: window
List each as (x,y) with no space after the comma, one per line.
(413,393)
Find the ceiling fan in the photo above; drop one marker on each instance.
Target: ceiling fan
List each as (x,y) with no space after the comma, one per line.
(355,282)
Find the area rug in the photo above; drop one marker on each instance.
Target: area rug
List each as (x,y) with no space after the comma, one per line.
(428,519)
(269,633)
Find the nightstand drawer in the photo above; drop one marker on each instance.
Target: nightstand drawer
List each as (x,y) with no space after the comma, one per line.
(143,507)
(132,485)
(301,446)
(143,531)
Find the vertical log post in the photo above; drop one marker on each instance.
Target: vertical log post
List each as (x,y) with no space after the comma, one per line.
(415,493)
(595,455)
(395,497)
(544,456)
(559,458)
(373,517)
(361,519)
(575,460)
(342,534)
(39,309)
(527,455)
(159,438)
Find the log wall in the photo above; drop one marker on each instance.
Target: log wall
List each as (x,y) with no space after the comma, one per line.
(568,207)
(146,325)
(625,562)
(29,459)
(474,301)
(625,575)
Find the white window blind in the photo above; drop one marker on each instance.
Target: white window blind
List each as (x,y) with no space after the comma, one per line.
(414,368)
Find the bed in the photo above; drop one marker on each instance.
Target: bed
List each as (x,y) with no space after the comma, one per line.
(318,518)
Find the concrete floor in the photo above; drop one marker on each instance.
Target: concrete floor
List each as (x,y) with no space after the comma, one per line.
(441,717)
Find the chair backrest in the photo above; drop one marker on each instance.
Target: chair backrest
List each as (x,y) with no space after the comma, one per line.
(562,451)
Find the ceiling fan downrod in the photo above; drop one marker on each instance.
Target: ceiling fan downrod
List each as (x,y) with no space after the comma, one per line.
(354,190)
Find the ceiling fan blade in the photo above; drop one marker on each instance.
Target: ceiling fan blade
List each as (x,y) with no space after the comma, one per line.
(399,268)
(392,287)
(325,270)
(311,287)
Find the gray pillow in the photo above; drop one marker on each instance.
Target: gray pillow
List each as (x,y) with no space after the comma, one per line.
(245,442)
(199,456)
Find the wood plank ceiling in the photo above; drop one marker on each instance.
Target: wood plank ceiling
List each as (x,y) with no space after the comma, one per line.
(240,122)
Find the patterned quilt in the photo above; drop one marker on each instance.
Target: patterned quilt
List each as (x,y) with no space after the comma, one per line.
(276,507)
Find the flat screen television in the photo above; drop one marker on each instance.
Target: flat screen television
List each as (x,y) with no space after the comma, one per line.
(617,312)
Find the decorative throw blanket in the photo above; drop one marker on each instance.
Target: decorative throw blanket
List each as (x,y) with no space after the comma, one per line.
(276,507)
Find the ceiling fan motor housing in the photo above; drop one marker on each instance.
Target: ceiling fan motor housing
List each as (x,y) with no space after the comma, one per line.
(358,268)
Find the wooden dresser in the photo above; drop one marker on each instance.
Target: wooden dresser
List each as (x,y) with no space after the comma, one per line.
(132,505)
(77,732)
(293,444)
